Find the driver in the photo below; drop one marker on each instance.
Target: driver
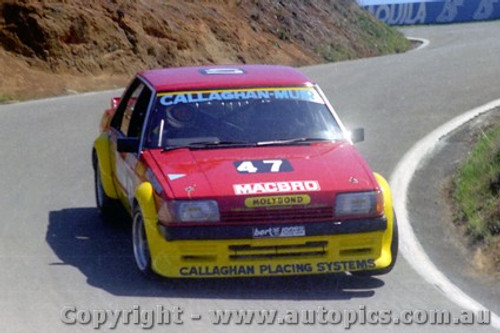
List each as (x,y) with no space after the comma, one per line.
(181,116)
(182,121)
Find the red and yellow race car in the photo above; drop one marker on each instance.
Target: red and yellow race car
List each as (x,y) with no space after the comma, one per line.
(236,171)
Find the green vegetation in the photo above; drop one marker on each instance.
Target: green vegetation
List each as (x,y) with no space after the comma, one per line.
(372,37)
(283,34)
(4,98)
(334,53)
(382,37)
(477,188)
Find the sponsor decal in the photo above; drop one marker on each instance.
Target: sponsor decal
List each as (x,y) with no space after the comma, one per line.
(348,265)
(263,166)
(304,94)
(277,269)
(285,269)
(409,12)
(321,267)
(279,200)
(174,176)
(190,189)
(232,270)
(276,187)
(275,232)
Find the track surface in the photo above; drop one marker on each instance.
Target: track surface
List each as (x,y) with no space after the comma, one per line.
(55,251)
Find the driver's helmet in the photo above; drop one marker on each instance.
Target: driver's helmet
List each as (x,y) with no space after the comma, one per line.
(181,115)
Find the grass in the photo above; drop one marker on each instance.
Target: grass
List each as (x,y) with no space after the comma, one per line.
(382,37)
(371,32)
(5,98)
(477,188)
(334,53)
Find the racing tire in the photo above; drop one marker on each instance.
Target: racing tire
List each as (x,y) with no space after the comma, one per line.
(394,254)
(107,206)
(142,255)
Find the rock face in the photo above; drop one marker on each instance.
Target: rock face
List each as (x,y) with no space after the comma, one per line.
(92,36)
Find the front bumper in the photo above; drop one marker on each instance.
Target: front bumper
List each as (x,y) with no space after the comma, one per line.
(311,254)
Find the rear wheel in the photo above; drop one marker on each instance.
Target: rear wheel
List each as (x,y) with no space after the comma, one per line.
(394,253)
(142,254)
(106,205)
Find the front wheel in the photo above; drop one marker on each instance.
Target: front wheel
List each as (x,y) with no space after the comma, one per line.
(142,254)
(394,253)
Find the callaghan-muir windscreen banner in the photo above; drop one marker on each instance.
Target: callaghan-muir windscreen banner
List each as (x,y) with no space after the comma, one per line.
(409,12)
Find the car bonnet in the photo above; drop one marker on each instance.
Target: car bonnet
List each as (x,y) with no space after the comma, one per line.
(317,170)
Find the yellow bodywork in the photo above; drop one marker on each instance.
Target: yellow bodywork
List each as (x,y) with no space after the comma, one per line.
(265,257)
(101,146)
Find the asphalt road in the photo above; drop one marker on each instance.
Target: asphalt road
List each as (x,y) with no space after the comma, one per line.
(56,256)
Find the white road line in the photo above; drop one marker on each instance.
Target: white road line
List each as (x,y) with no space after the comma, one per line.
(424,43)
(117,91)
(410,247)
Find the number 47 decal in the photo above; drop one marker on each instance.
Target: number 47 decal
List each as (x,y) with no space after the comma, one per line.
(263,166)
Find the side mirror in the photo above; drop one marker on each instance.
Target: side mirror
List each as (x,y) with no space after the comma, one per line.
(358,135)
(127,145)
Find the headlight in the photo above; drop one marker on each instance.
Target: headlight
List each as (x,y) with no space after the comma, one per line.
(359,203)
(189,211)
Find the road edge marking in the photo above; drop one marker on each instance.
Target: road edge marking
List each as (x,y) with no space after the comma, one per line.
(409,245)
(424,43)
(116,91)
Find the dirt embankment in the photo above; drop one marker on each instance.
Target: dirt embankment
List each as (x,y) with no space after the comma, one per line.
(54,47)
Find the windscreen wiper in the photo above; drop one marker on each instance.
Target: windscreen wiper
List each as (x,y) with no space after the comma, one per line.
(169,148)
(293,141)
(210,144)
(222,143)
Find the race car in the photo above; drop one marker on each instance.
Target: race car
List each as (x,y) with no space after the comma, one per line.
(240,171)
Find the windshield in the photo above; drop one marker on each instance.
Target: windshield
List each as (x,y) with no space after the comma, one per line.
(242,116)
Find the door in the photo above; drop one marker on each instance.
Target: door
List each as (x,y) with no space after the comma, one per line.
(128,122)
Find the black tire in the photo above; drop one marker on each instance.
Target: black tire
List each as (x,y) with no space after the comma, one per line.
(142,255)
(107,206)
(394,254)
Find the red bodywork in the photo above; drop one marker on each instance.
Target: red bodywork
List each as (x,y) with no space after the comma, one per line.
(209,173)
(188,78)
(336,167)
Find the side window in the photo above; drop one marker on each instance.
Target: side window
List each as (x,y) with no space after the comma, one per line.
(119,116)
(140,108)
(129,117)
(130,108)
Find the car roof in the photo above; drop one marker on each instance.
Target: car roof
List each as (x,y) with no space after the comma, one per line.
(229,76)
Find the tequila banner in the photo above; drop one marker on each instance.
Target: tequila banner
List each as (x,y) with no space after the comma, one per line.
(409,12)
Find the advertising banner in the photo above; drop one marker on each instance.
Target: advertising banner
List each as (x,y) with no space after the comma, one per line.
(410,12)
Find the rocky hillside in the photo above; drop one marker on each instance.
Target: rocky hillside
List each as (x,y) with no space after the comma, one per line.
(52,47)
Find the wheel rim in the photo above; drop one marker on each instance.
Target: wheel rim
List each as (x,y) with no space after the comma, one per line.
(141,249)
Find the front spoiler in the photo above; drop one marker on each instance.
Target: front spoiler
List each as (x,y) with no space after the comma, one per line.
(269,257)
(246,231)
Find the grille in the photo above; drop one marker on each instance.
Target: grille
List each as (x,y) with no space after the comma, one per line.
(307,249)
(282,215)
